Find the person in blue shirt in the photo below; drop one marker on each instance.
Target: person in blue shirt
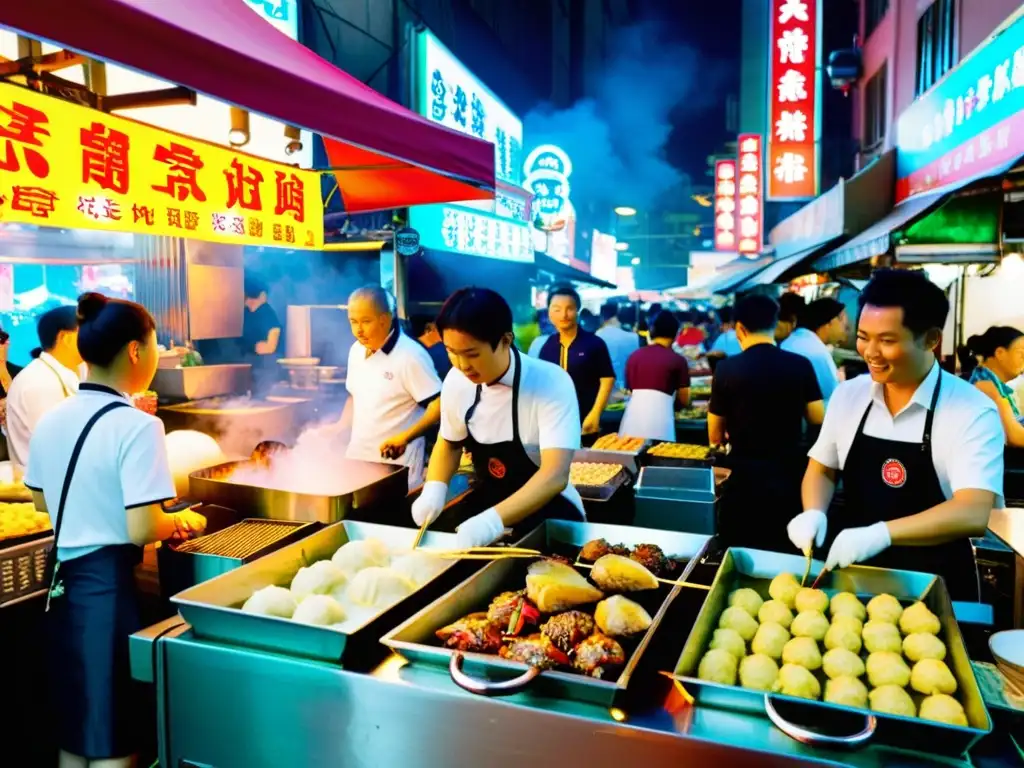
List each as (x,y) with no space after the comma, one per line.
(822,323)
(1000,351)
(726,344)
(424,330)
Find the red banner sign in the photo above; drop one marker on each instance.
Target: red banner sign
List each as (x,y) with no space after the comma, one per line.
(725,205)
(793,100)
(750,192)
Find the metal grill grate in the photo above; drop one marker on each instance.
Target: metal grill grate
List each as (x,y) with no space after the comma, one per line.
(241,540)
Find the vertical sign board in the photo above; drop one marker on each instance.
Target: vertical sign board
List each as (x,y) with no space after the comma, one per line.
(793,100)
(750,194)
(725,205)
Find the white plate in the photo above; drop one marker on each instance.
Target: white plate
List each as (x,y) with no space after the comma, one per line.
(1008,648)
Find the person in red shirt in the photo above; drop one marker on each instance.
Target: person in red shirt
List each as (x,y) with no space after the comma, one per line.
(659,379)
(691,333)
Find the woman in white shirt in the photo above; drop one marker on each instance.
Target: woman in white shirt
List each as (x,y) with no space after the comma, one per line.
(46,381)
(99,467)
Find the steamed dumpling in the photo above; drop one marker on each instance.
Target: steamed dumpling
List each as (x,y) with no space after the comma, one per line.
(619,616)
(417,566)
(718,666)
(379,588)
(921,646)
(840,662)
(271,601)
(846,691)
(775,612)
(941,708)
(808,599)
(769,640)
(882,636)
(887,668)
(803,652)
(729,640)
(784,588)
(616,573)
(758,672)
(810,624)
(847,604)
(738,619)
(918,618)
(797,681)
(892,700)
(320,610)
(931,676)
(885,608)
(747,599)
(320,578)
(354,556)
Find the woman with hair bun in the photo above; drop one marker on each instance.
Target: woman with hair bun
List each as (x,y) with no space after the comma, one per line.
(99,468)
(1000,351)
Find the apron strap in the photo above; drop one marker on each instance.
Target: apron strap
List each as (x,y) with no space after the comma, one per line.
(516,378)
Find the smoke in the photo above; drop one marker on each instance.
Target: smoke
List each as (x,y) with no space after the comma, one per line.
(617,137)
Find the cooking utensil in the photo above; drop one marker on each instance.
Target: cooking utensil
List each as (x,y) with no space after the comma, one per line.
(821,575)
(686,584)
(807,570)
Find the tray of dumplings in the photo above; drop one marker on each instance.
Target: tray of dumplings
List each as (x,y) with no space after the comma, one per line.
(312,597)
(597,480)
(874,656)
(573,624)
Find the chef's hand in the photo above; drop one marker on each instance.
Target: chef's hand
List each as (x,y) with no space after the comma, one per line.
(855,545)
(394,447)
(807,530)
(480,530)
(592,424)
(188,524)
(430,503)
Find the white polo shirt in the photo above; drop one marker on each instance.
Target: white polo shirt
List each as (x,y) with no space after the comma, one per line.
(549,416)
(806,343)
(967,435)
(388,388)
(123,466)
(621,344)
(41,385)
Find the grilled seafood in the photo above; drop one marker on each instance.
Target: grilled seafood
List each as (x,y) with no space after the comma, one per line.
(569,629)
(651,557)
(536,650)
(504,605)
(599,656)
(475,633)
(598,548)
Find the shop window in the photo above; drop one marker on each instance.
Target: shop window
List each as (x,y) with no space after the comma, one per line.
(936,43)
(875,122)
(874,12)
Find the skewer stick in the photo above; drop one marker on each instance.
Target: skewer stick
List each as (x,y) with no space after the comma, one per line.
(419,536)
(688,584)
(820,576)
(486,556)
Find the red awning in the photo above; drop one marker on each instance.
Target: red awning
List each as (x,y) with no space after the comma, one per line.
(388,156)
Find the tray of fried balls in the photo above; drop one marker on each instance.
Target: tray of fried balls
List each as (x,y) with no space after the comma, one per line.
(877,642)
(572,623)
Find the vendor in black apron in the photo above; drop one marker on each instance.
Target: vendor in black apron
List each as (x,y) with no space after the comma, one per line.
(920,450)
(99,467)
(494,405)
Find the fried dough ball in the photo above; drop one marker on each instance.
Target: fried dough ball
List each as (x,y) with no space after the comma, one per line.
(802,652)
(847,604)
(892,700)
(770,640)
(848,622)
(784,588)
(758,672)
(941,708)
(747,599)
(885,608)
(931,676)
(847,691)
(882,636)
(842,636)
(775,612)
(796,681)
(737,618)
(808,599)
(718,666)
(921,645)
(729,640)
(810,624)
(840,662)
(887,668)
(918,618)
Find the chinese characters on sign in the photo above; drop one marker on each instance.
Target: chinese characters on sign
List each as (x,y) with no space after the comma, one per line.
(69,166)
(750,195)
(469,231)
(725,205)
(792,158)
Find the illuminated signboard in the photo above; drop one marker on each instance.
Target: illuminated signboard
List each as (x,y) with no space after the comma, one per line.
(449,94)
(793,100)
(69,166)
(471,231)
(970,124)
(725,205)
(547,170)
(749,194)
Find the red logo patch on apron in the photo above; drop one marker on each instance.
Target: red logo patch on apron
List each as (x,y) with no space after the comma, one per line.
(894,474)
(496,468)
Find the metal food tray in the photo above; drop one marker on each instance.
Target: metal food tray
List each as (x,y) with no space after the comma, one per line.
(605,491)
(652,460)
(213,608)
(416,640)
(214,486)
(633,454)
(755,568)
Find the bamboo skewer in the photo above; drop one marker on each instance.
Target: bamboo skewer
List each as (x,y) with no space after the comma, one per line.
(688,584)
(419,536)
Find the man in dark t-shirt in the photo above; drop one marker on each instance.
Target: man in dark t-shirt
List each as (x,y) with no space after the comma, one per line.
(424,330)
(261,334)
(759,402)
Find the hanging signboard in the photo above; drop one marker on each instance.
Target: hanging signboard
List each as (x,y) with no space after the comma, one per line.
(793,100)
(64,165)
(547,170)
(473,232)
(750,195)
(725,205)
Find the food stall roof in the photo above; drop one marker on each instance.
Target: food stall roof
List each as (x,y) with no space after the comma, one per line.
(382,154)
(788,259)
(727,279)
(563,272)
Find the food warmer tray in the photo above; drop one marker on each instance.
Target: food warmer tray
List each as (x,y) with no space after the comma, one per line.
(213,608)
(415,639)
(604,492)
(756,568)
(214,486)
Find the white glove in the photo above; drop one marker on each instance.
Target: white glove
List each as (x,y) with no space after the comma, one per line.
(480,530)
(808,529)
(430,503)
(855,545)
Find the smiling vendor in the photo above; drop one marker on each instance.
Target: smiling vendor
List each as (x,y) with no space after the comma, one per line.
(392,385)
(495,404)
(920,450)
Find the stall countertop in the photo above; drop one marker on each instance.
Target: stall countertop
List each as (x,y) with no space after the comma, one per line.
(1008,525)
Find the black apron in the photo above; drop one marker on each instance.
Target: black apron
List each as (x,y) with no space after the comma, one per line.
(92,611)
(761,496)
(503,468)
(889,479)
